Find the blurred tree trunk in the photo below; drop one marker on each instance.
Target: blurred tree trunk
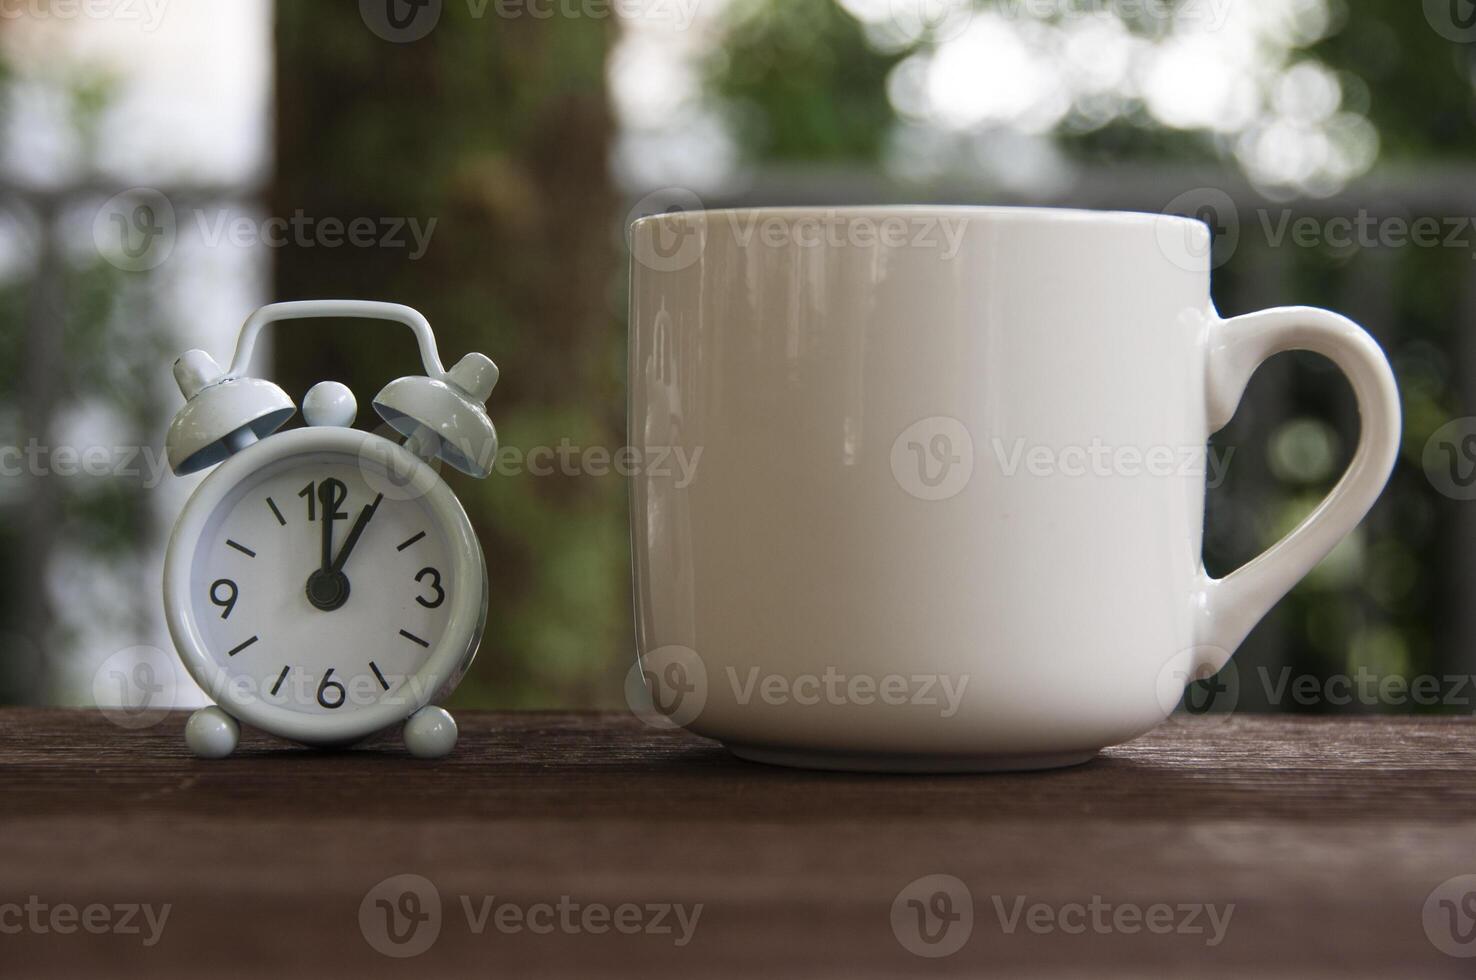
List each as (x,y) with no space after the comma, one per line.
(496,129)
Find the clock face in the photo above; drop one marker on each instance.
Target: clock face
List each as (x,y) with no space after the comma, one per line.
(320,585)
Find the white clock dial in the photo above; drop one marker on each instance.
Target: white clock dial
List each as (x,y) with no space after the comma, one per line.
(323,584)
(315,591)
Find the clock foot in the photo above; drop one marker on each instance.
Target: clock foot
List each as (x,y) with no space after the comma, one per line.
(430,733)
(211,733)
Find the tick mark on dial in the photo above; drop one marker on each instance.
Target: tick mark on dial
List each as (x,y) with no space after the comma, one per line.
(412,540)
(409,636)
(280,678)
(239,647)
(273,505)
(378,676)
(241,548)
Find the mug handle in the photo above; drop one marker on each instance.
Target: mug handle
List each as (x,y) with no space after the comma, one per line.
(1229,607)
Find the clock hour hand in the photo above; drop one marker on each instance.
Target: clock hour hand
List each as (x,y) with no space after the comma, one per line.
(354,534)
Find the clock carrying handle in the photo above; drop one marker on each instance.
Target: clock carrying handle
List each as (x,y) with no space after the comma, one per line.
(357,308)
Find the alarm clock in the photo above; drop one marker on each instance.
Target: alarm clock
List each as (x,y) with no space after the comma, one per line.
(324,583)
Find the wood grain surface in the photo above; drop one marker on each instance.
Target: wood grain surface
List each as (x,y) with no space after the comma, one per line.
(1327,836)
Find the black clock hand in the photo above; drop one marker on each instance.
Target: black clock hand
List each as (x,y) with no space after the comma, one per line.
(331,495)
(354,533)
(325,498)
(327,588)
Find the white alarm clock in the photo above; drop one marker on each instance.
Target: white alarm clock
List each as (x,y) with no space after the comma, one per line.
(324,583)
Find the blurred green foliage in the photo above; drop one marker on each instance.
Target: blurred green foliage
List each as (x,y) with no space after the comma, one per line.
(800,84)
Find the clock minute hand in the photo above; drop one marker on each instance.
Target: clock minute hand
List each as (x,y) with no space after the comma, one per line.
(325,496)
(354,533)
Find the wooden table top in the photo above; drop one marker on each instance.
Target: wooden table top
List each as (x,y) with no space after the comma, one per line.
(576,844)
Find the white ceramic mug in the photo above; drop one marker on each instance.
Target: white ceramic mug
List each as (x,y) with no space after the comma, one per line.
(942,480)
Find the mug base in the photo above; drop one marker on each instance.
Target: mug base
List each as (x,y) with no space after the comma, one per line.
(903,763)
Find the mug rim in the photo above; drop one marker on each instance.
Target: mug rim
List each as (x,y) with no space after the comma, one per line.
(1003,212)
